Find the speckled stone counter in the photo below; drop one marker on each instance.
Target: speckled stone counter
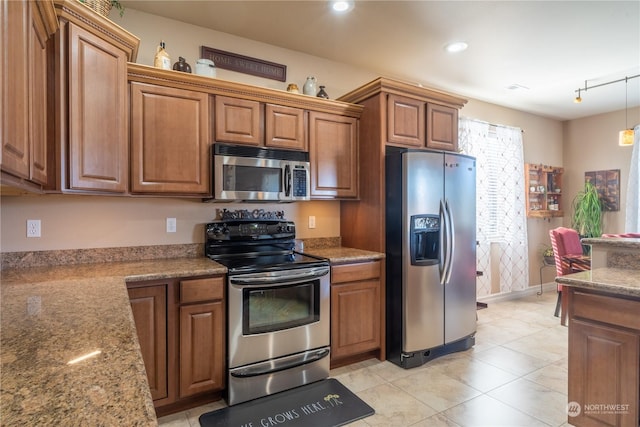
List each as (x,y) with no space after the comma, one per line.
(52,315)
(615,267)
(616,281)
(339,255)
(614,252)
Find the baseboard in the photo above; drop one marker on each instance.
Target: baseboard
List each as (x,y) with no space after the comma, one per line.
(531,290)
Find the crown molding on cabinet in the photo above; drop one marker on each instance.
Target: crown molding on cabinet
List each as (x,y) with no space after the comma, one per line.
(147,74)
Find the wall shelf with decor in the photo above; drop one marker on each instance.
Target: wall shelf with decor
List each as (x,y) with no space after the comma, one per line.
(543,190)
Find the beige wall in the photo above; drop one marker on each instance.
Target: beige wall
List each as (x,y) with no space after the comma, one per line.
(591,144)
(96,221)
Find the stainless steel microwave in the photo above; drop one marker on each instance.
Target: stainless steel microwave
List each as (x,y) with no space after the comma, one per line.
(259,174)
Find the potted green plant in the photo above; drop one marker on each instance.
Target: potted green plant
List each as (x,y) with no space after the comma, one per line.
(547,255)
(587,212)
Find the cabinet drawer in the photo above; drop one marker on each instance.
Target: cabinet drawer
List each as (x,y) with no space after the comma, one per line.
(615,311)
(354,272)
(194,290)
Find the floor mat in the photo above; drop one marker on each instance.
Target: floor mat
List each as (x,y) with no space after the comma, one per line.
(325,403)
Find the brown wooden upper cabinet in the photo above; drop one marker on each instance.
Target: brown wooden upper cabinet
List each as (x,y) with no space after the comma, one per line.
(405,121)
(333,154)
(169,140)
(415,123)
(442,127)
(92,104)
(243,121)
(27,26)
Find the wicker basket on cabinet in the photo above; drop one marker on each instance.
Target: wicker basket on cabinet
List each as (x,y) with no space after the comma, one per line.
(103,7)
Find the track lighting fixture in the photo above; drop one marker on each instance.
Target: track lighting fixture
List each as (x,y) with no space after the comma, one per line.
(578,99)
(626,136)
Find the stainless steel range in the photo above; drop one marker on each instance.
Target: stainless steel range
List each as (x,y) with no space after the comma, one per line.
(278,304)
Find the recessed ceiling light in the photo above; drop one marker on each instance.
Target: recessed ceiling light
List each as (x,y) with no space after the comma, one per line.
(456,47)
(342,6)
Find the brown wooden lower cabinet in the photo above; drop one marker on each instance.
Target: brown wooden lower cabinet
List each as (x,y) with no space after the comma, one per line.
(201,348)
(181,331)
(355,310)
(604,359)
(149,307)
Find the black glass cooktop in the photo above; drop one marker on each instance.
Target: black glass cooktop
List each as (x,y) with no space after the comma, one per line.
(251,263)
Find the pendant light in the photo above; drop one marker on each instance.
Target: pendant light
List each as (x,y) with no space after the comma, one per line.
(625,137)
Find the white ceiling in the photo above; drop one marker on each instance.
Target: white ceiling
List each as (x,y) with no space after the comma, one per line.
(549,47)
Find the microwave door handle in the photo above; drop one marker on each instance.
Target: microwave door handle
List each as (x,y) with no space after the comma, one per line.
(287,180)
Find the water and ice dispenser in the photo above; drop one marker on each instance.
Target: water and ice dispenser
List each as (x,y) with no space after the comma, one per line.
(425,240)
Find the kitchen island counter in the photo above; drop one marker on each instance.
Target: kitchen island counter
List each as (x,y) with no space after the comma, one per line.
(604,335)
(52,316)
(616,281)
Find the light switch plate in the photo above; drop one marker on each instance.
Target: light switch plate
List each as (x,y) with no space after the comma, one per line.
(171,225)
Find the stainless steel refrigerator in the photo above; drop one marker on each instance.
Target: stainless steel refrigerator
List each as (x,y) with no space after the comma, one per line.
(431,254)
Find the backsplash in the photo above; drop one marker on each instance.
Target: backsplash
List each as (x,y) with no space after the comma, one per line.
(129,253)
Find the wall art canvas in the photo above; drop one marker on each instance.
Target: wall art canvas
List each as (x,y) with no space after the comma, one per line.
(607,182)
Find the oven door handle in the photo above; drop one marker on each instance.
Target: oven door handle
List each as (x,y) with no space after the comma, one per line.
(277,278)
(277,365)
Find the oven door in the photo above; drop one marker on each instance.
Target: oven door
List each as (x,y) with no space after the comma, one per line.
(277,313)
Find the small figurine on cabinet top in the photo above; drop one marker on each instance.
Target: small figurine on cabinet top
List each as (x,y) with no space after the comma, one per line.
(322,93)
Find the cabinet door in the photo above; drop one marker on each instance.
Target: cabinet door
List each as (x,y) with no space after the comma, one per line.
(284,127)
(169,140)
(442,127)
(15,87)
(149,307)
(603,370)
(333,154)
(38,148)
(202,351)
(98,114)
(405,121)
(238,121)
(355,318)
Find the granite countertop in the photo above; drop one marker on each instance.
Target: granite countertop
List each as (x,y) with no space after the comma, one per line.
(52,315)
(339,255)
(613,243)
(619,281)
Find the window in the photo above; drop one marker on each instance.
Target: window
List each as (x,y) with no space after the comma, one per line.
(501,220)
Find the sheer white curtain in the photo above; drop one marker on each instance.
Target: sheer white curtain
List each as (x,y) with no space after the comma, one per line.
(501,220)
(632,217)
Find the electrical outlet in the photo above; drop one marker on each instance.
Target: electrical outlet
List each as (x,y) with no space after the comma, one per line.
(33,228)
(171,225)
(312,221)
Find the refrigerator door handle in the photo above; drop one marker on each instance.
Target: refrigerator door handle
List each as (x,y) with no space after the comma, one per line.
(444,243)
(451,245)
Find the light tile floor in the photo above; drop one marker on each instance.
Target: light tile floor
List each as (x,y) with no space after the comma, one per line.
(515,375)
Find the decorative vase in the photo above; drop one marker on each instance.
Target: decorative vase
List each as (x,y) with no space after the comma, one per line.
(310,86)
(322,93)
(182,65)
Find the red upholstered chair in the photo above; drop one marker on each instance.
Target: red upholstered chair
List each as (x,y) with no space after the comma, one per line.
(567,252)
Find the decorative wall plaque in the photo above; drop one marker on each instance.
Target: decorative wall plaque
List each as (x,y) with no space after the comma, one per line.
(244,64)
(226,214)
